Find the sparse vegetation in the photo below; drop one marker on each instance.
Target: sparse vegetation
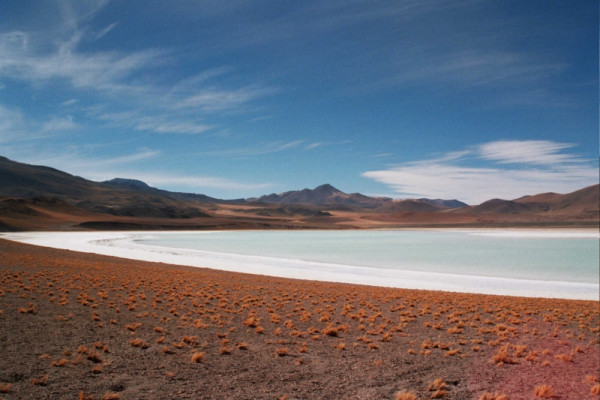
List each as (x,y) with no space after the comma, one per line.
(202,314)
(544,391)
(406,396)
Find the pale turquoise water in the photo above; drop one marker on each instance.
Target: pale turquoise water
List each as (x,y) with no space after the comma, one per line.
(536,255)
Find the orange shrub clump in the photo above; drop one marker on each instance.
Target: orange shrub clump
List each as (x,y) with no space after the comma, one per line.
(5,388)
(438,387)
(138,343)
(544,391)
(406,396)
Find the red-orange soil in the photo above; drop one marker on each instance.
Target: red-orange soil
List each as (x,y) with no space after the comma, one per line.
(76,325)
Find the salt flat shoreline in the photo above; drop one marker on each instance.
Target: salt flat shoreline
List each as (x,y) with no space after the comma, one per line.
(121,244)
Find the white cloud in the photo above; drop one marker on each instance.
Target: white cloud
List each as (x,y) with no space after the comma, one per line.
(59,124)
(198,182)
(265,148)
(213,100)
(527,152)
(69,102)
(106,30)
(446,178)
(166,126)
(12,124)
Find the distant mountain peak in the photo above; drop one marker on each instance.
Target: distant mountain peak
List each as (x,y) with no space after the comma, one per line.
(326,188)
(127,182)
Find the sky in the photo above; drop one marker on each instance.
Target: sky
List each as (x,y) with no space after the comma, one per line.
(467,100)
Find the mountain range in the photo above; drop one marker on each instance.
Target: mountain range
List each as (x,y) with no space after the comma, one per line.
(39,197)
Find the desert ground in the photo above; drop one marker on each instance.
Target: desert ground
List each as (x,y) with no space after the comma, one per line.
(76,325)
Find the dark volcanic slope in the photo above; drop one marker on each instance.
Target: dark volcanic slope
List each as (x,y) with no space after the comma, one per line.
(18,180)
(142,187)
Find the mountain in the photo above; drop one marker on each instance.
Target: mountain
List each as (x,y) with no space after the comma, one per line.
(585,201)
(42,198)
(420,205)
(142,187)
(322,195)
(579,204)
(445,203)
(24,181)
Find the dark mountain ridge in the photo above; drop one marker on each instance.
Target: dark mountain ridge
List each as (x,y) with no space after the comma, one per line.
(24,181)
(38,193)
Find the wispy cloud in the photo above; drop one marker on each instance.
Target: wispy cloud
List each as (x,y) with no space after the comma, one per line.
(265,148)
(126,166)
(541,152)
(215,100)
(198,183)
(106,30)
(59,124)
(126,78)
(103,71)
(15,126)
(546,168)
(72,159)
(171,126)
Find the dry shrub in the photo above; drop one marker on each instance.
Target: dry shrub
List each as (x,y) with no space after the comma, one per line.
(595,390)
(94,356)
(564,357)
(438,394)
(225,350)
(5,388)
(111,396)
(198,357)
(43,381)
(133,326)
(281,351)
(138,343)
(242,346)
(82,396)
(502,357)
(191,340)
(330,331)
(61,363)
(544,391)
(450,353)
(96,369)
(437,384)
(406,396)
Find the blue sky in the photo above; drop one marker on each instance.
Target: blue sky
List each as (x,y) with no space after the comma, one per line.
(443,99)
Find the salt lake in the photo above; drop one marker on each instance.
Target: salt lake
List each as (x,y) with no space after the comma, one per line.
(536,263)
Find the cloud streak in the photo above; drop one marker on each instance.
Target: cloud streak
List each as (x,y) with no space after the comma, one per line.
(549,169)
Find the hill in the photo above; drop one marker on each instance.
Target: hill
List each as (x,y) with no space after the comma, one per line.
(38,197)
(323,195)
